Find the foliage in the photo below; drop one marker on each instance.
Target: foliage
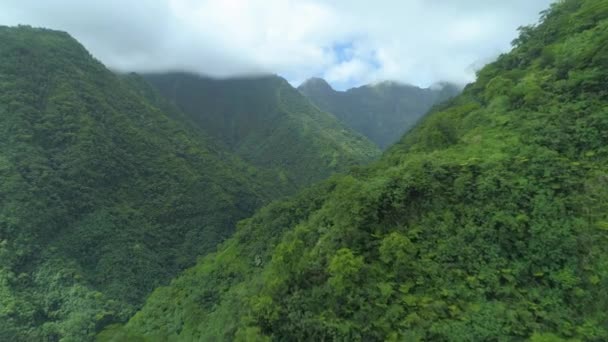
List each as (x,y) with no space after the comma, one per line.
(487,222)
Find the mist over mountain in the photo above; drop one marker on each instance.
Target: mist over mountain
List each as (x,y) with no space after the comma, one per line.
(382,112)
(347,42)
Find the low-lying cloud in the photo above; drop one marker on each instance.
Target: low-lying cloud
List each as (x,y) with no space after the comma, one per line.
(348,42)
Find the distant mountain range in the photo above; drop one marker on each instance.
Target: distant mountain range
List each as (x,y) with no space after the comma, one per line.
(382,112)
(269,123)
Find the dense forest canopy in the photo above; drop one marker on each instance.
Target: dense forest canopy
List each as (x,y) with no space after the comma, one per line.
(489,221)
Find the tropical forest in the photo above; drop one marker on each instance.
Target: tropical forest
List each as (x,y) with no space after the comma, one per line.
(200,194)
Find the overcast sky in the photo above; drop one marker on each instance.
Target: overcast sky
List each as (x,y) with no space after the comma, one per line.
(347,42)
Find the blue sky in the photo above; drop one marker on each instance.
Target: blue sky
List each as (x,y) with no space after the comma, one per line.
(347,42)
(344,51)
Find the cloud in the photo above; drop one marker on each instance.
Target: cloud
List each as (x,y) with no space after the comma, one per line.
(349,42)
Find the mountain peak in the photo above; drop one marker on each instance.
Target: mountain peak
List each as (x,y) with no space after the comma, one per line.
(317,84)
(388,83)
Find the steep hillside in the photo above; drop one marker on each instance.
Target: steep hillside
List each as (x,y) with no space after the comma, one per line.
(103,196)
(488,222)
(269,123)
(382,112)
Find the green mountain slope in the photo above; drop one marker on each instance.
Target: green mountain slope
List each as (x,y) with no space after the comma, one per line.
(382,112)
(268,123)
(488,222)
(103,196)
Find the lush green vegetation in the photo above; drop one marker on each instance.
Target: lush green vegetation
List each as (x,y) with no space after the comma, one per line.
(488,222)
(268,123)
(382,112)
(103,196)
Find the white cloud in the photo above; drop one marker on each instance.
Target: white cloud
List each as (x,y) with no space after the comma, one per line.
(414,41)
(348,71)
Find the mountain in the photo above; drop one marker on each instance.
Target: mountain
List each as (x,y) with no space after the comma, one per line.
(268,123)
(103,195)
(487,222)
(382,112)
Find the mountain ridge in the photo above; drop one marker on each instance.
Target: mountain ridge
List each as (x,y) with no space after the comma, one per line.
(272,125)
(381,111)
